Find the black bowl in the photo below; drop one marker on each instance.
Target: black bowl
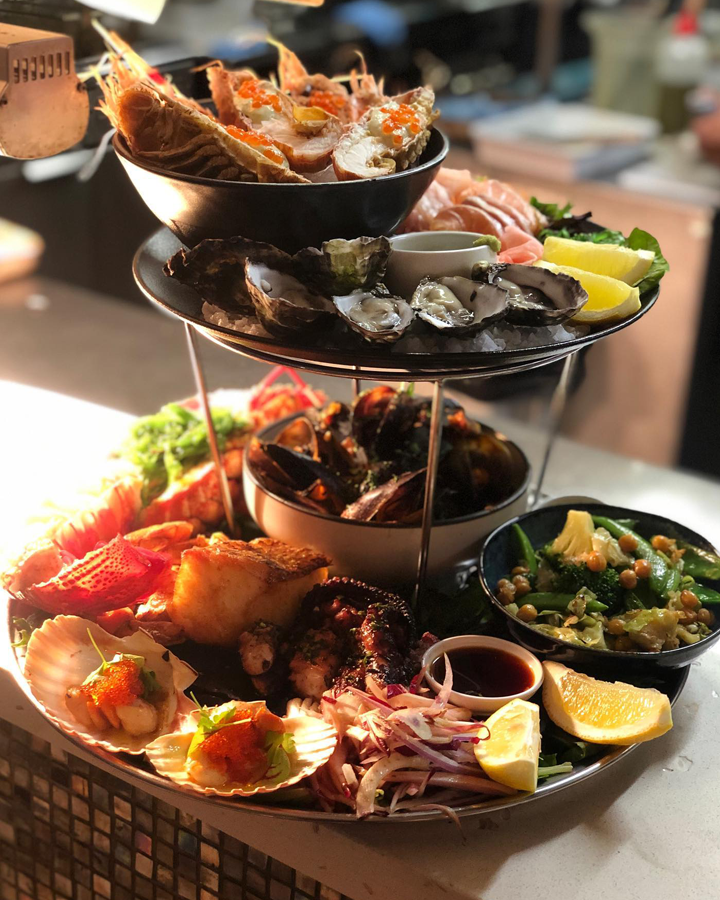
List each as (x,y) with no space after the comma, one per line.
(498,557)
(290,216)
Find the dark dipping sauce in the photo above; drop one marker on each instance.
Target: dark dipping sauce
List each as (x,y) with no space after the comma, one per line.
(485,672)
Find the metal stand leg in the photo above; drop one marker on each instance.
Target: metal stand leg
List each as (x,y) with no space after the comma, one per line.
(212,437)
(436,422)
(557,410)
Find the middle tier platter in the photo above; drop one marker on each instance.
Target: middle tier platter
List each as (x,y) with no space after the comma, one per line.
(346,354)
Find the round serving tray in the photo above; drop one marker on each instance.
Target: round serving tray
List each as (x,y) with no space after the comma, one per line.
(670,681)
(356,360)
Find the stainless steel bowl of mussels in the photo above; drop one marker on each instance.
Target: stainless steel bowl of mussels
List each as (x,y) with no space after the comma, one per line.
(349,481)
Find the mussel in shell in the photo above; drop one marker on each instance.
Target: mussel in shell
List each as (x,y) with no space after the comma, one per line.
(283,304)
(535,296)
(458,305)
(397,500)
(376,315)
(341,266)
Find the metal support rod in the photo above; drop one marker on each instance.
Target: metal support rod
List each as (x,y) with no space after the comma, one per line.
(212,436)
(436,423)
(558,404)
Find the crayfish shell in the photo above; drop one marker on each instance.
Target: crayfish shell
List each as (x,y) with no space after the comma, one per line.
(60,655)
(314,740)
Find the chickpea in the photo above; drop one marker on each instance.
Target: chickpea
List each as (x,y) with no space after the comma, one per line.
(527,613)
(662,543)
(687,616)
(689,599)
(642,568)
(628,579)
(628,543)
(616,627)
(520,570)
(596,562)
(506,595)
(705,616)
(521,585)
(623,643)
(503,583)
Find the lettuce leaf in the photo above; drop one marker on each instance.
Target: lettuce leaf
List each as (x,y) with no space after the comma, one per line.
(278,746)
(551,210)
(641,240)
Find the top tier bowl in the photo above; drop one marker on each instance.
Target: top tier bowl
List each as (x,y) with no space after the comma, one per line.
(290,216)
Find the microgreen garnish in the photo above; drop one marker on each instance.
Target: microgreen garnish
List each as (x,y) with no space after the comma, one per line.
(148,678)
(104,664)
(278,746)
(209,722)
(25,627)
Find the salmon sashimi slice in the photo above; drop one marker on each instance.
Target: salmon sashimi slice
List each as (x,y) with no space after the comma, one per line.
(519,247)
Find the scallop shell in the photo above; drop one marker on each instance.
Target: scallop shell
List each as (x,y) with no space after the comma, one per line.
(314,744)
(60,655)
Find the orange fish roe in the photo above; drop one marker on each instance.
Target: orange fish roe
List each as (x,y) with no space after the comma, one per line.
(258,141)
(397,119)
(238,750)
(119,685)
(254,91)
(327,100)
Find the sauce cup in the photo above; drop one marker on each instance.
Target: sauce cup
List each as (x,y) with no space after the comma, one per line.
(468,642)
(432,254)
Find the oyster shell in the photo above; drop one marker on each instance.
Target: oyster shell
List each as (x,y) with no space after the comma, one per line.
(377,315)
(283,304)
(314,741)
(342,266)
(536,296)
(457,304)
(60,655)
(381,143)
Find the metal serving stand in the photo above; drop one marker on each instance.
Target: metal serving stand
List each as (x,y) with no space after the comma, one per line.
(357,362)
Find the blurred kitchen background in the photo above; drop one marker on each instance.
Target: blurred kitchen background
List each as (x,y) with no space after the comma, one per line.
(609,105)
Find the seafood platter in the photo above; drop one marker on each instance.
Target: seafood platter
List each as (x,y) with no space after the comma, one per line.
(196,617)
(254,672)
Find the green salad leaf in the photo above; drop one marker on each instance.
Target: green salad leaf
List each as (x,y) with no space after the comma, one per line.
(25,628)
(551,210)
(165,445)
(278,746)
(641,240)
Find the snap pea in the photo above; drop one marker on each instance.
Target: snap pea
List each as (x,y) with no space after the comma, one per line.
(560,602)
(700,563)
(661,574)
(707,596)
(673,580)
(526,554)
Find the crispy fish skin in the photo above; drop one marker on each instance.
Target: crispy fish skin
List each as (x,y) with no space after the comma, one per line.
(221,590)
(174,136)
(363,151)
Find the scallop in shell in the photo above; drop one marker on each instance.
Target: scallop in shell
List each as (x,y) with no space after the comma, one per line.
(314,741)
(61,655)
(458,304)
(282,302)
(377,315)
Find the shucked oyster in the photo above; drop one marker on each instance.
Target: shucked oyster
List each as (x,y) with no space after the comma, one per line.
(458,304)
(341,266)
(535,296)
(376,314)
(283,304)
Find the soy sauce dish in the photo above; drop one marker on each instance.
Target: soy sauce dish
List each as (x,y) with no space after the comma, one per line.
(487,671)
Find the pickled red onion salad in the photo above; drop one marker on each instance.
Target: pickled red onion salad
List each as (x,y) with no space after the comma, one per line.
(400,749)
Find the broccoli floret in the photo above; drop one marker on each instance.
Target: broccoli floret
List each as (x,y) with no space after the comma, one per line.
(570,578)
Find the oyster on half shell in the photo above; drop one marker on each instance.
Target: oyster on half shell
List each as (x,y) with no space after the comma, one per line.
(282,302)
(535,296)
(377,315)
(458,304)
(341,266)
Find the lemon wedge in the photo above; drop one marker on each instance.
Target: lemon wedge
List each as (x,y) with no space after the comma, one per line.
(510,755)
(603,712)
(610,260)
(608,298)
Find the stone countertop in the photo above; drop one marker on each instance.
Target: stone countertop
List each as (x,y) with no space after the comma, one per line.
(627,830)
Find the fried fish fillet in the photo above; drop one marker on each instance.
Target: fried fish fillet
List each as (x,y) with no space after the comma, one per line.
(224,588)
